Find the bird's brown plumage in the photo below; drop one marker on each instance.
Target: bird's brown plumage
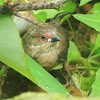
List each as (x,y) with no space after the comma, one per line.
(47,54)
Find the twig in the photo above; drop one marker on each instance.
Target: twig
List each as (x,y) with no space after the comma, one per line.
(67,69)
(12,8)
(41,5)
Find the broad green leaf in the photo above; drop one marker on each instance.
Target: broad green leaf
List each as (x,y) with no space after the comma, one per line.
(41,16)
(96,86)
(84,2)
(96,8)
(50,12)
(11,51)
(44,79)
(92,20)
(72,52)
(69,6)
(2,2)
(12,54)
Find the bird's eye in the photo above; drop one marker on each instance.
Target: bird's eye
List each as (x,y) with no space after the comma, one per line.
(43,37)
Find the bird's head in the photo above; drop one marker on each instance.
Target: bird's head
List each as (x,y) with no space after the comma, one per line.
(48,37)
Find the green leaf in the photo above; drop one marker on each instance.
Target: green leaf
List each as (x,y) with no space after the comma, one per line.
(92,20)
(96,8)
(96,86)
(41,16)
(86,82)
(2,2)
(84,2)
(91,45)
(97,41)
(97,45)
(72,52)
(14,0)
(77,80)
(44,79)
(2,71)
(48,12)
(12,54)
(59,66)
(11,51)
(69,7)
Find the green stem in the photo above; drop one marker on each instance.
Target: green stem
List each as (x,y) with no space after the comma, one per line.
(95,56)
(78,31)
(88,68)
(92,59)
(91,52)
(70,25)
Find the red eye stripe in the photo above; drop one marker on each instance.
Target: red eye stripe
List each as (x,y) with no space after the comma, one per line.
(39,35)
(48,35)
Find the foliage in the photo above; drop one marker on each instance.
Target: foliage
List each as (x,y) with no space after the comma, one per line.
(12,53)
(82,2)
(43,15)
(2,2)
(47,96)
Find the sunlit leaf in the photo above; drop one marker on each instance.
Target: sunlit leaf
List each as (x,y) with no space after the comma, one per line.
(41,16)
(69,6)
(96,8)
(96,86)
(12,54)
(49,12)
(84,2)
(92,20)
(72,52)
(11,51)
(2,2)
(44,79)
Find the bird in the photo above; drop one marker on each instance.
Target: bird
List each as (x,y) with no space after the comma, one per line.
(47,45)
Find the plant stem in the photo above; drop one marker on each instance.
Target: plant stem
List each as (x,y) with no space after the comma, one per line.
(95,56)
(78,31)
(88,68)
(91,52)
(70,25)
